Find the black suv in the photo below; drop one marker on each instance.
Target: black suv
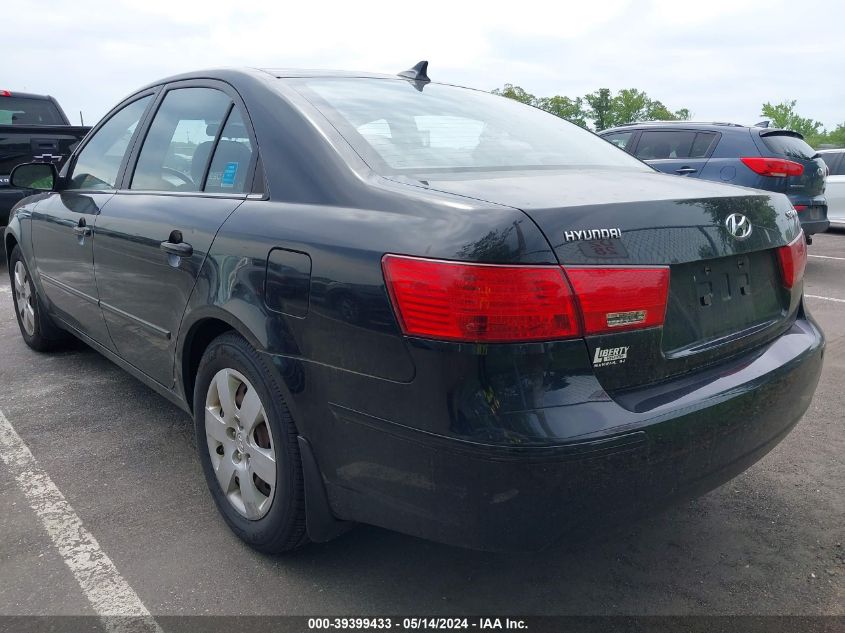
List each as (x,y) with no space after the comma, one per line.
(759,157)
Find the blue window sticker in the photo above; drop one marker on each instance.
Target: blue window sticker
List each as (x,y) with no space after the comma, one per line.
(229,174)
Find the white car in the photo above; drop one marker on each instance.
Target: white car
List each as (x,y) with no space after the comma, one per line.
(835,188)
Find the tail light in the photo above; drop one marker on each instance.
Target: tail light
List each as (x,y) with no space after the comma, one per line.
(793,261)
(776,167)
(5,93)
(800,207)
(499,303)
(614,299)
(480,302)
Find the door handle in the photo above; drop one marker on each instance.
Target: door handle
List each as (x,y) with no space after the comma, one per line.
(175,246)
(686,170)
(82,229)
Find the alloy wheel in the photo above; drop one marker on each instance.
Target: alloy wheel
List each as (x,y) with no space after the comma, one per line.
(25,298)
(240,443)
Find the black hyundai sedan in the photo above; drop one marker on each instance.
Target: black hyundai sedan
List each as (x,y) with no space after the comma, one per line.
(424,307)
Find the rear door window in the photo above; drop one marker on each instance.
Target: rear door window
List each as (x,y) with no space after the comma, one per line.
(788,145)
(180,140)
(665,144)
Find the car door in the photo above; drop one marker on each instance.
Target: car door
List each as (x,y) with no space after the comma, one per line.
(191,171)
(678,152)
(62,238)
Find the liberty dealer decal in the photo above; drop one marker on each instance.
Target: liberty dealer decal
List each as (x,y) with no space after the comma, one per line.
(610,356)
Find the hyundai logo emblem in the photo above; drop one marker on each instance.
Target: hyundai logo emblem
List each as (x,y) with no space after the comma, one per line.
(738,225)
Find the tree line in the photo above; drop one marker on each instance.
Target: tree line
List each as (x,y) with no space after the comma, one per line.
(600,109)
(603,109)
(783,115)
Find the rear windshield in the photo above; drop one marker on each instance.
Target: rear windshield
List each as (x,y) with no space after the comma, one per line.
(788,145)
(397,128)
(25,111)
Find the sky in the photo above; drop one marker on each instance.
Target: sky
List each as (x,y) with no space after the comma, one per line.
(722,59)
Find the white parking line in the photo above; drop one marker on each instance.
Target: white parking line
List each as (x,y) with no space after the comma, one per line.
(825,298)
(827,257)
(117,604)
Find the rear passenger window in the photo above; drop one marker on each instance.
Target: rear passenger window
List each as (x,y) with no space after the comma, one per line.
(620,139)
(180,140)
(702,143)
(664,144)
(232,157)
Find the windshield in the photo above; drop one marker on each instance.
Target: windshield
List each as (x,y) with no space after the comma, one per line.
(397,128)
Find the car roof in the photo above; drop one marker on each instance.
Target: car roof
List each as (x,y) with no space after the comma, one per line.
(832,150)
(29,95)
(281,73)
(680,123)
(229,74)
(721,126)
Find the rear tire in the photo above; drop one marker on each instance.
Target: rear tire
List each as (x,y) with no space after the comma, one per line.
(246,438)
(32,320)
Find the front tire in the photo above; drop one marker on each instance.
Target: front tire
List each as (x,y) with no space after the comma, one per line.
(28,308)
(248,447)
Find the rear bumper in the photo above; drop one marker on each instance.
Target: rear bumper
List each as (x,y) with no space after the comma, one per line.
(670,444)
(814,217)
(811,227)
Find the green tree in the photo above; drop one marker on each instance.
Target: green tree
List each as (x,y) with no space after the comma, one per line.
(783,115)
(570,109)
(656,111)
(683,114)
(601,108)
(836,137)
(516,93)
(630,105)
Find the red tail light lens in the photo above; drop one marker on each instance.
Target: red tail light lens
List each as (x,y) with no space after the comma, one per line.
(491,303)
(480,302)
(5,93)
(616,299)
(793,261)
(777,167)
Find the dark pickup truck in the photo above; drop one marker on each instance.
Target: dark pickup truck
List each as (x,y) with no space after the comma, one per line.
(32,128)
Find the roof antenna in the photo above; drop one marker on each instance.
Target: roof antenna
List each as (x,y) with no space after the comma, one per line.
(418,74)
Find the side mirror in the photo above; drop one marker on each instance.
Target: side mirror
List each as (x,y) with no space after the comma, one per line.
(38,176)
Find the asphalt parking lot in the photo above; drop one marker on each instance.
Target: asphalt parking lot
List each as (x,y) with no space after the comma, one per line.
(768,543)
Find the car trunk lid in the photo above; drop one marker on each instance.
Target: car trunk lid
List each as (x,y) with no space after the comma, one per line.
(725,291)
